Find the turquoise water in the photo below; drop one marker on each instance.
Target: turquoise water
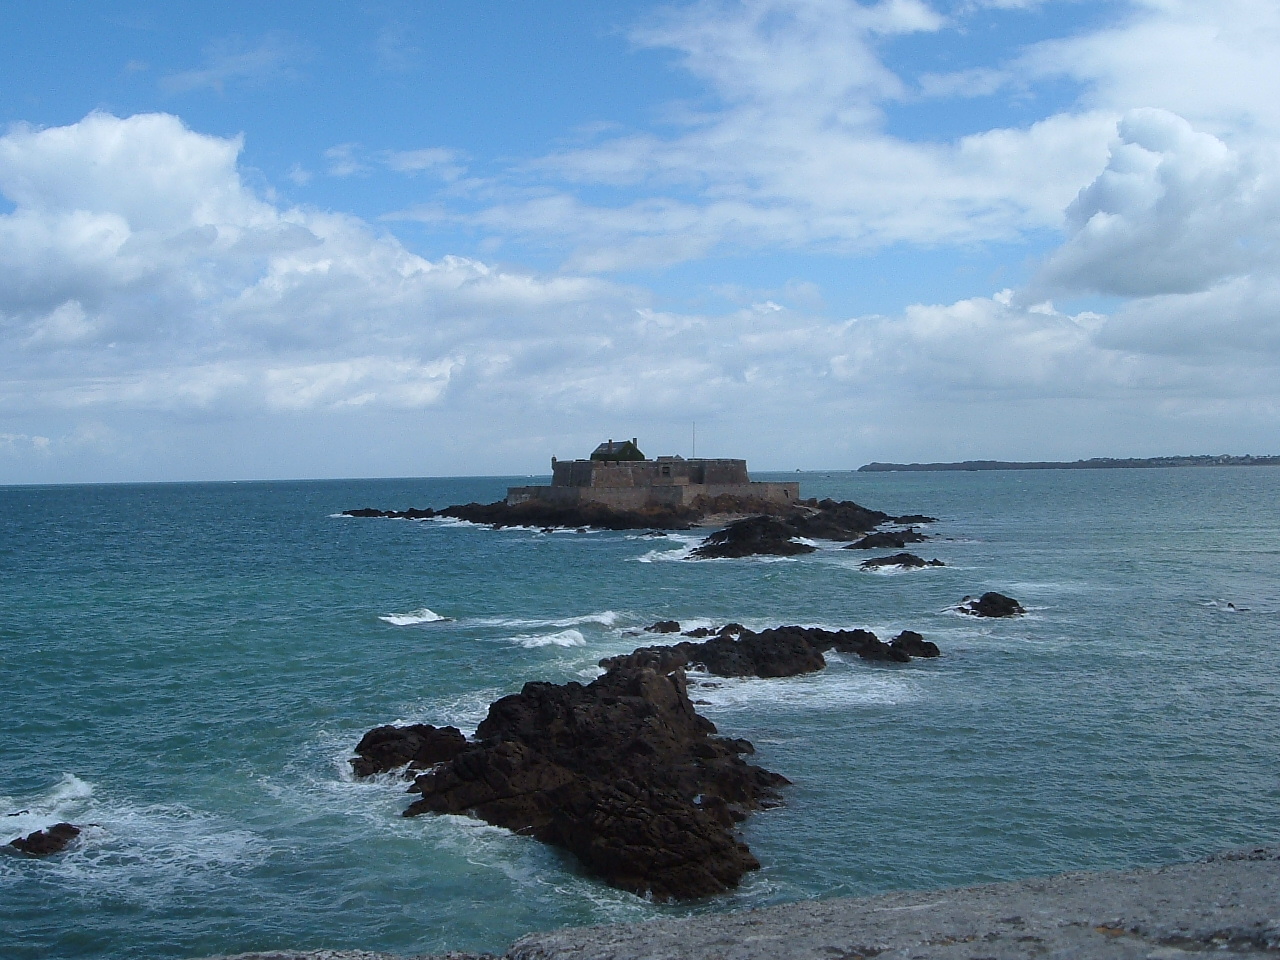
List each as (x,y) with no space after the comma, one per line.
(188,666)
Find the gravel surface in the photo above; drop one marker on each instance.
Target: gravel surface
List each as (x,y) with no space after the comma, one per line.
(1227,906)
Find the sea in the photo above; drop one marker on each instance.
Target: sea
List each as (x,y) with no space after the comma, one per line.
(187,667)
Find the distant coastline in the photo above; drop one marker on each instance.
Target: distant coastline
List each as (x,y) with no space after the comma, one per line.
(1097,463)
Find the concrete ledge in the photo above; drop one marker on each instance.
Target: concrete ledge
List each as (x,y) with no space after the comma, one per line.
(1227,906)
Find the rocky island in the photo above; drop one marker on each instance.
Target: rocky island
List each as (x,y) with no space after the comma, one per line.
(619,489)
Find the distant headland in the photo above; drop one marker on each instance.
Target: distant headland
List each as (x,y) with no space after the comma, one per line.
(1097,463)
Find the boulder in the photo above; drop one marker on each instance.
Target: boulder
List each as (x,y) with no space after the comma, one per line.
(419,745)
(664,626)
(914,645)
(51,840)
(991,604)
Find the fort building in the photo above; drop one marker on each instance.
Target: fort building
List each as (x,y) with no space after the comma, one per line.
(618,475)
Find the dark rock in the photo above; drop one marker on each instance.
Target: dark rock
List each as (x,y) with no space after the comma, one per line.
(752,536)
(778,652)
(51,840)
(664,626)
(622,772)
(992,605)
(698,632)
(420,745)
(911,518)
(894,539)
(900,560)
(914,645)
(824,519)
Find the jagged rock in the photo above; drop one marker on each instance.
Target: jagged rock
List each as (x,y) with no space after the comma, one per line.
(894,539)
(752,536)
(419,745)
(622,772)
(900,560)
(914,645)
(51,840)
(664,626)
(991,604)
(778,652)
(698,633)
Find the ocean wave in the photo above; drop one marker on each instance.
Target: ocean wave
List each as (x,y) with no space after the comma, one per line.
(1226,606)
(414,617)
(126,849)
(828,690)
(605,618)
(565,638)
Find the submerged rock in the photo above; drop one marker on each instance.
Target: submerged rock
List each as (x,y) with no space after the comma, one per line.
(51,840)
(900,560)
(621,772)
(991,604)
(419,745)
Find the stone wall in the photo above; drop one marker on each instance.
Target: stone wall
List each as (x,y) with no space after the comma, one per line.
(665,471)
(635,497)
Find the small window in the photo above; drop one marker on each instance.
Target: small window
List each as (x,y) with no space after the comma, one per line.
(666,471)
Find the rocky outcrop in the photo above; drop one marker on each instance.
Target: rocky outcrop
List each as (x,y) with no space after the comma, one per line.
(900,560)
(892,539)
(417,746)
(820,519)
(621,772)
(991,604)
(51,840)
(752,536)
(777,652)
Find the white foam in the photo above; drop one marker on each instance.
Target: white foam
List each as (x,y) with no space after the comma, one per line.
(137,851)
(605,618)
(421,615)
(826,690)
(565,638)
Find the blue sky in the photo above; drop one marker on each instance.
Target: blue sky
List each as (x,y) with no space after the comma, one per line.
(391,238)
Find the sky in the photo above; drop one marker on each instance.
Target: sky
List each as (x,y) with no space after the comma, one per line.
(364,238)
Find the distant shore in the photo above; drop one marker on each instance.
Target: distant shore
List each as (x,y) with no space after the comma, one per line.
(1097,463)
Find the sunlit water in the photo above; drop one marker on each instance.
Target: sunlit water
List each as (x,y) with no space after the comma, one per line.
(187,667)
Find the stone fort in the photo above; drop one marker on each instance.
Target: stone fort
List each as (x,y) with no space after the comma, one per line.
(618,475)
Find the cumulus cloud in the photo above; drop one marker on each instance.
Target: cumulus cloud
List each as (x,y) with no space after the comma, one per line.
(136,257)
(1175,211)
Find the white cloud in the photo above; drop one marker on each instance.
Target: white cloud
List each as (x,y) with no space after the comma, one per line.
(138,271)
(1175,211)
(1212,63)
(791,150)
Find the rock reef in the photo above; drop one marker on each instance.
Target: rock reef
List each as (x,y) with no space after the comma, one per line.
(623,772)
